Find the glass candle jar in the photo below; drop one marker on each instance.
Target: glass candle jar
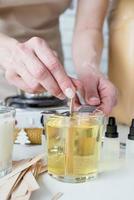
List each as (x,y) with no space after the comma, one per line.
(7,124)
(73,145)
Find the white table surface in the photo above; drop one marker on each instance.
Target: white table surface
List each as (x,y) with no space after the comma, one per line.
(115,182)
(112,185)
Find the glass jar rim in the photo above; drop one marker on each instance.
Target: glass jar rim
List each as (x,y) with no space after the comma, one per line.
(77,114)
(95,113)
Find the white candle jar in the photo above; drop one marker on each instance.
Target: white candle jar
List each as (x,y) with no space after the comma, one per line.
(7,125)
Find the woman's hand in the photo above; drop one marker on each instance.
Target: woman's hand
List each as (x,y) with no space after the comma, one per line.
(33,67)
(97,90)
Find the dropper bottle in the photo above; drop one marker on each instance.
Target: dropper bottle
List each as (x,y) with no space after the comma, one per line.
(111,144)
(130,142)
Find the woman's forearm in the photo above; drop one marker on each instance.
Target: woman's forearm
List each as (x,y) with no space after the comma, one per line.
(88,37)
(87,48)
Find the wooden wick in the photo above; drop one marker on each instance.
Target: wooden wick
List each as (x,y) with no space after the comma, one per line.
(71,106)
(69,164)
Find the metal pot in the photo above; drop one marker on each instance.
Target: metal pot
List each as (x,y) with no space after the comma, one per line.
(34,96)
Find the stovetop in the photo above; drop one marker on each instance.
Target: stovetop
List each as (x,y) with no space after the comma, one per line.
(22,102)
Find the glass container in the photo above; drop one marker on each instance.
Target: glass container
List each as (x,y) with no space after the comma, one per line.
(73,145)
(7,125)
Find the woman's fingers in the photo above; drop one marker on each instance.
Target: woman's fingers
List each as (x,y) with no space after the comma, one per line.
(80,94)
(38,68)
(14,79)
(79,88)
(90,83)
(48,58)
(97,90)
(91,91)
(33,69)
(108,95)
(76,103)
(30,81)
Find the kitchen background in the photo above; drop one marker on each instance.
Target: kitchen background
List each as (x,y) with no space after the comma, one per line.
(67,21)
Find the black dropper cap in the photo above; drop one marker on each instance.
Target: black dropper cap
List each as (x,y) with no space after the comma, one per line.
(131,133)
(111,130)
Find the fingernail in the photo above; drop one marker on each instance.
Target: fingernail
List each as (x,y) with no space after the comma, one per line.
(95,100)
(69,93)
(61,96)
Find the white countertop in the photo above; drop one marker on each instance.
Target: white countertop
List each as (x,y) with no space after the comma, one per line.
(115,182)
(112,185)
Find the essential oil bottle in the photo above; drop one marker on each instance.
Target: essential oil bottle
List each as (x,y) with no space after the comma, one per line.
(111,144)
(130,142)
